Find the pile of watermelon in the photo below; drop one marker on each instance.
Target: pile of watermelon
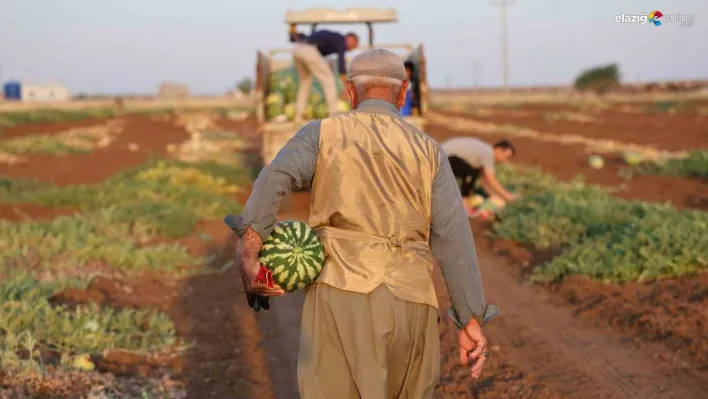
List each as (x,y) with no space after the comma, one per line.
(484,208)
(280,102)
(294,253)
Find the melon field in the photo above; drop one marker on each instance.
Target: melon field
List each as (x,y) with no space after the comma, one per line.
(118,279)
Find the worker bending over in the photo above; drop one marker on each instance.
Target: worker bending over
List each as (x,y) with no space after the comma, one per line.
(472,158)
(308,56)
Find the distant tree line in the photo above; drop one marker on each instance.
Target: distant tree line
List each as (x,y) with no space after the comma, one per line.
(245,86)
(600,79)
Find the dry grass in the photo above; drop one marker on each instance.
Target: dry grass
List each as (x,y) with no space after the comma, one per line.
(131,105)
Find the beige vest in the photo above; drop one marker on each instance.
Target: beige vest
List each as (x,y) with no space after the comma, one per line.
(371,204)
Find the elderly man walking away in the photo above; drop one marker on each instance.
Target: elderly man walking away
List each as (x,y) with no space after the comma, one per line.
(308,57)
(384,202)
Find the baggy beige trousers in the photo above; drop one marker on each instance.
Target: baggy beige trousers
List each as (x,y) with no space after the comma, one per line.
(308,63)
(369,346)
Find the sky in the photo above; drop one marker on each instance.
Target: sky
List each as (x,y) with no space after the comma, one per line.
(130,46)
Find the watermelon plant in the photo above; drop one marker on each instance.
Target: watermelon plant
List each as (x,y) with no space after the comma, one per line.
(294,253)
(40,144)
(117,218)
(695,165)
(647,249)
(29,324)
(169,196)
(600,236)
(10,119)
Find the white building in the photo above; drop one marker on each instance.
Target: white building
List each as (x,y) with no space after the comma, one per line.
(173,90)
(44,92)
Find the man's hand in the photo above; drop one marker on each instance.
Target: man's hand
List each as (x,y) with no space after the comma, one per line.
(513,197)
(257,279)
(473,347)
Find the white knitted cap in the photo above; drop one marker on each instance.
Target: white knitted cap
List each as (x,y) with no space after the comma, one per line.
(377,62)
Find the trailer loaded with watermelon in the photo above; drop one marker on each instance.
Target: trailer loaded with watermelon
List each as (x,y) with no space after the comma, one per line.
(277,80)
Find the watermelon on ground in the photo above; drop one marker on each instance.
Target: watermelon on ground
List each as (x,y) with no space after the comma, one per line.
(294,253)
(475,201)
(632,158)
(491,206)
(596,162)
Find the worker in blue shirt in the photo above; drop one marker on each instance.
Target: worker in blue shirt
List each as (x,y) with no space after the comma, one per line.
(407,108)
(413,95)
(308,56)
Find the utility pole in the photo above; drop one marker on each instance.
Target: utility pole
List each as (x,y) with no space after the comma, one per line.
(505,40)
(475,74)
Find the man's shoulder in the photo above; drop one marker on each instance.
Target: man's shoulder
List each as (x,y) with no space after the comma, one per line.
(310,131)
(434,145)
(421,133)
(408,126)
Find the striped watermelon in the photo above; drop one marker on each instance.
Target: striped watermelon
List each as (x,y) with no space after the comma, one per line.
(294,253)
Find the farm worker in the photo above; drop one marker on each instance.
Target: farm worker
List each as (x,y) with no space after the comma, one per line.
(413,93)
(472,158)
(308,57)
(384,201)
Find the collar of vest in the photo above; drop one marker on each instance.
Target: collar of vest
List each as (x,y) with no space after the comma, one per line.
(378,107)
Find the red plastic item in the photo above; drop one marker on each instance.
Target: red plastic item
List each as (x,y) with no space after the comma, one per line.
(265,275)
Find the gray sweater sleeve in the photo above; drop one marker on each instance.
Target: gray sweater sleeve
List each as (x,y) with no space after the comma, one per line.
(453,245)
(292,169)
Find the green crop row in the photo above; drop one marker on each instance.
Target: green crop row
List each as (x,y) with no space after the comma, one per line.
(17,118)
(600,236)
(168,196)
(30,327)
(695,165)
(41,144)
(11,119)
(114,228)
(99,238)
(119,217)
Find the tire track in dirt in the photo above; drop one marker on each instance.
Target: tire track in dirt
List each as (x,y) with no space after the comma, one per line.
(571,357)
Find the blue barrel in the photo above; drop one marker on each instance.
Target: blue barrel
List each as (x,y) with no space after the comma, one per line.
(13,91)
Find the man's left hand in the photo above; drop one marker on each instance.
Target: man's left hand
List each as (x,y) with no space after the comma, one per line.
(257,279)
(473,347)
